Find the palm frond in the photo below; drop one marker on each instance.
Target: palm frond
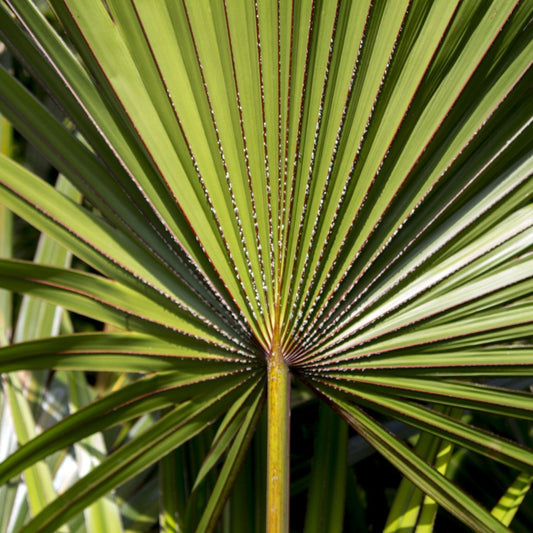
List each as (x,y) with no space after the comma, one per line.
(338,192)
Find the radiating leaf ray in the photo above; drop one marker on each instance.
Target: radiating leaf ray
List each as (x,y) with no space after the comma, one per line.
(222,88)
(100,298)
(92,105)
(490,255)
(455,393)
(487,29)
(144,39)
(436,241)
(427,419)
(376,47)
(121,352)
(149,394)
(151,131)
(324,29)
(416,189)
(176,427)
(232,463)
(461,363)
(344,70)
(33,191)
(454,297)
(330,227)
(419,472)
(300,31)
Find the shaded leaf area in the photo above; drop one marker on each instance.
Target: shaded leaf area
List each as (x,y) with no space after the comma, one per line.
(344,184)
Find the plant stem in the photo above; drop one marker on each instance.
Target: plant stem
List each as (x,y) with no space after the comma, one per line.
(278,441)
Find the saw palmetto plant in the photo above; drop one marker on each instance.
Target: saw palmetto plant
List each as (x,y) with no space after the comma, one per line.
(328,197)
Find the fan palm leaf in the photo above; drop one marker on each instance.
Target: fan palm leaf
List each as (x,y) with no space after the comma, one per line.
(335,192)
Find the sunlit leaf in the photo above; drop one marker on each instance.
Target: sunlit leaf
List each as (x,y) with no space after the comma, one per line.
(330,193)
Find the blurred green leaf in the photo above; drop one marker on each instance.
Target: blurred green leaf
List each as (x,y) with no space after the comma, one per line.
(325,509)
(509,503)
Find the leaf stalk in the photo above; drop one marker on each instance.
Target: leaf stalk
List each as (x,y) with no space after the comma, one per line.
(278,440)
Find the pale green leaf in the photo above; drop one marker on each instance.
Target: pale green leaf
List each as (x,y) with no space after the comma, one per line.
(509,503)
